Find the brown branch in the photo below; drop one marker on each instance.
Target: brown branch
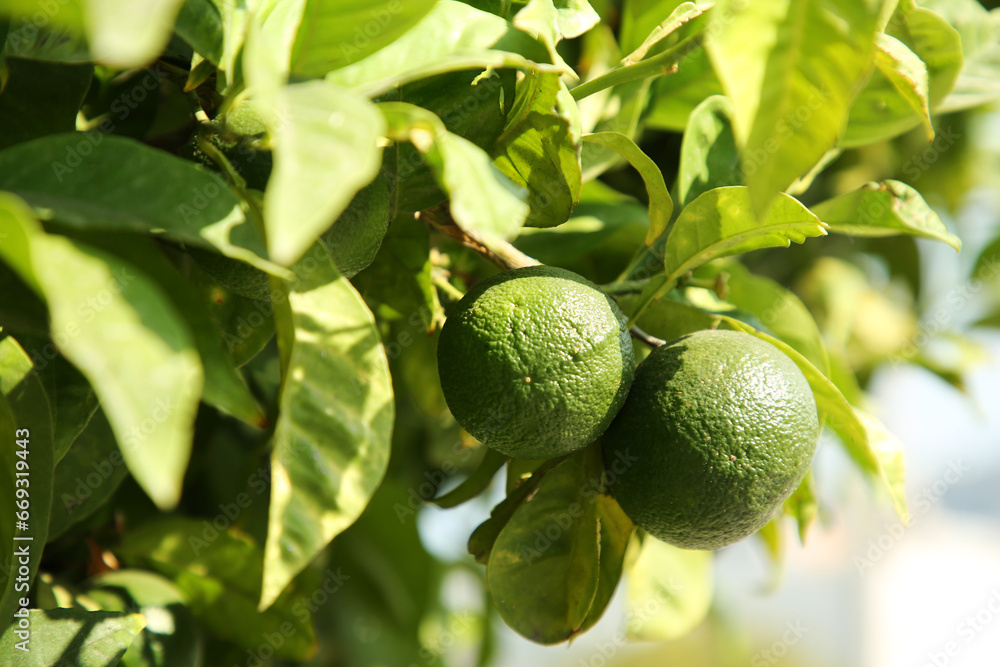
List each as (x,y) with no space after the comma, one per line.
(499,252)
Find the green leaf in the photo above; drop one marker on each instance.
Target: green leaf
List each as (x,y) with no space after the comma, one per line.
(721,222)
(780,310)
(675,97)
(335,33)
(452,37)
(28,460)
(616,530)
(72,399)
(661,207)
(219,573)
(40,98)
(709,157)
(235,18)
(680,15)
(669,591)
(803,506)
(845,421)
(885,208)
(87,476)
(470,104)
(539,149)
(550,21)
(979,30)
(115,325)
(891,461)
(484,202)
(200,25)
(126,34)
(76,180)
(332,439)
(475,483)
(120,33)
(65,637)
(791,70)
(51,43)
(935,42)
(224,388)
(171,637)
(400,276)
(326,151)
(485,535)
(894,100)
(543,569)
(267,55)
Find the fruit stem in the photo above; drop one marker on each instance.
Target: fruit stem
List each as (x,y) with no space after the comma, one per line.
(497,252)
(646,338)
(442,284)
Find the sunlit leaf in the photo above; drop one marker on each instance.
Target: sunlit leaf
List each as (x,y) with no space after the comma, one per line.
(543,570)
(551,20)
(126,338)
(73,637)
(483,201)
(894,100)
(76,180)
(332,439)
(721,222)
(791,70)
(325,152)
(539,148)
(219,573)
(28,460)
(335,33)
(709,157)
(452,37)
(661,206)
(886,208)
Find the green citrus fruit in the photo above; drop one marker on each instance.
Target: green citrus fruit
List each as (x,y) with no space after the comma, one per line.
(718,430)
(236,276)
(535,362)
(357,235)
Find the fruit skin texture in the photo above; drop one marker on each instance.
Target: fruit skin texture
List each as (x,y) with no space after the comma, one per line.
(357,235)
(535,362)
(719,429)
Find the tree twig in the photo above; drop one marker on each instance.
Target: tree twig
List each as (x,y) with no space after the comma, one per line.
(499,252)
(646,338)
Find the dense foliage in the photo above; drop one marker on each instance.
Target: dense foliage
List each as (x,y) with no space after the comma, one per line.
(230,233)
